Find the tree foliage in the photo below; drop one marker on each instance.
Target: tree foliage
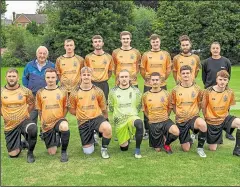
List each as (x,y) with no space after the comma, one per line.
(3,7)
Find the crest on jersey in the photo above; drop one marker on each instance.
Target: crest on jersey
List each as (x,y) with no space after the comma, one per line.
(20,96)
(58,96)
(192,62)
(105,61)
(193,94)
(161,57)
(162,99)
(132,56)
(93,97)
(225,98)
(130,95)
(75,64)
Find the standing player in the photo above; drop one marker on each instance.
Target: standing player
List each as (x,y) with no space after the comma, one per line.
(186,101)
(185,58)
(211,66)
(155,60)
(88,104)
(68,67)
(126,57)
(216,103)
(51,103)
(16,104)
(125,103)
(101,63)
(156,106)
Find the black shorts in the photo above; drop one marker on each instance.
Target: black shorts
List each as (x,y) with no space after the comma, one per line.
(184,128)
(214,132)
(13,137)
(86,130)
(104,87)
(147,88)
(50,137)
(157,131)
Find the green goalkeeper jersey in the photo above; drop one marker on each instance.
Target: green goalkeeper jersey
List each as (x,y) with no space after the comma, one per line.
(124,103)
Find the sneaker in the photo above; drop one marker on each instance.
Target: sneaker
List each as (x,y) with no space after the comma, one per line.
(104,153)
(41,136)
(230,137)
(64,157)
(168,149)
(145,136)
(95,139)
(24,144)
(115,139)
(30,158)
(236,151)
(201,152)
(137,155)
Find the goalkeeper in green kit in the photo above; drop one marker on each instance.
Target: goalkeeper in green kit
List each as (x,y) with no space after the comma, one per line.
(125,102)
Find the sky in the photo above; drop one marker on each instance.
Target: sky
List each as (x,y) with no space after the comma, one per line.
(27,7)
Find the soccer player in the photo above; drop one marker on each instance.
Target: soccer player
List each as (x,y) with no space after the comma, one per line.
(155,60)
(185,58)
(156,106)
(186,103)
(88,104)
(216,103)
(16,103)
(68,67)
(101,63)
(126,57)
(51,103)
(211,66)
(125,103)
(33,76)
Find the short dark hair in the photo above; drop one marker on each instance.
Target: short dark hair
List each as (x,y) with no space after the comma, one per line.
(184,38)
(12,70)
(185,67)
(50,70)
(223,73)
(125,33)
(154,37)
(155,74)
(215,43)
(69,40)
(97,37)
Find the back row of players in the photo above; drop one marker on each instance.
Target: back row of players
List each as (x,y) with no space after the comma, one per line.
(84,85)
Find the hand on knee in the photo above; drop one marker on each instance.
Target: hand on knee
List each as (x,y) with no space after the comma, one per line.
(88,149)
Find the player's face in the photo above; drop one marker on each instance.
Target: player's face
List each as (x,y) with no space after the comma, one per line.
(186,75)
(97,44)
(42,55)
(222,82)
(51,78)
(186,47)
(155,44)
(86,77)
(215,49)
(155,81)
(126,40)
(124,78)
(12,79)
(69,46)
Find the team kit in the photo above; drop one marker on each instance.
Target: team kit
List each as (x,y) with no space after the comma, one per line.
(80,87)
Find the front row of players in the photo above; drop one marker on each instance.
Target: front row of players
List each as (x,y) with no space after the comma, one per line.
(89,106)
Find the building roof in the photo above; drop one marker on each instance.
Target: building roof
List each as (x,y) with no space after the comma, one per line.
(38,18)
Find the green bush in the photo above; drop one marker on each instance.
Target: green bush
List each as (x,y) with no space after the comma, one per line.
(8,60)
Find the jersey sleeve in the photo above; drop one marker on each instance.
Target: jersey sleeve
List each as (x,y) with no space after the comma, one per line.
(172,98)
(144,104)
(72,101)
(38,104)
(198,65)
(233,101)
(57,66)
(205,97)
(175,65)
(86,61)
(30,97)
(144,61)
(101,99)
(111,64)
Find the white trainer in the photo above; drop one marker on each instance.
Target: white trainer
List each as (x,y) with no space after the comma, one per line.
(201,152)
(104,153)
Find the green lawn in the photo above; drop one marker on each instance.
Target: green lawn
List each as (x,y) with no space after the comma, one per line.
(220,168)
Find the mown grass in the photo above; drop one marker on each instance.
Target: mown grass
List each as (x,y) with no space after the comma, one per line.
(220,168)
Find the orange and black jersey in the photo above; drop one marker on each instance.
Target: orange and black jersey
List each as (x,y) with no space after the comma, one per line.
(14,106)
(156,105)
(51,103)
(186,102)
(192,60)
(217,104)
(156,61)
(127,59)
(88,103)
(68,70)
(100,64)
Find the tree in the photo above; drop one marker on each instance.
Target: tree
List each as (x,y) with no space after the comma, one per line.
(3,7)
(33,28)
(149,4)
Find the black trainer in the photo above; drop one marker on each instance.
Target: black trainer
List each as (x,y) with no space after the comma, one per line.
(64,157)
(230,137)
(236,151)
(30,158)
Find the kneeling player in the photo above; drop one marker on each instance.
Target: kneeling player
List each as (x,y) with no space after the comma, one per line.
(51,103)
(16,104)
(215,105)
(125,103)
(88,104)
(156,106)
(186,101)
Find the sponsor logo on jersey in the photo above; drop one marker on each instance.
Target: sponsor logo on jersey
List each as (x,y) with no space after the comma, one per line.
(80,97)
(93,97)
(132,56)
(75,64)
(162,99)
(150,57)
(130,95)
(213,99)
(225,98)
(180,94)
(44,97)
(104,61)
(5,97)
(193,94)
(58,96)
(118,96)
(181,62)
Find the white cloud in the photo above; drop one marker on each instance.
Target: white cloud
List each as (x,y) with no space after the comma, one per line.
(26,7)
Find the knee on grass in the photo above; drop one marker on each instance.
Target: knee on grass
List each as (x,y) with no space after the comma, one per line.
(89,149)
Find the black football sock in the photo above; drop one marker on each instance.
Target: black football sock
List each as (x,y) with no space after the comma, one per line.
(65,135)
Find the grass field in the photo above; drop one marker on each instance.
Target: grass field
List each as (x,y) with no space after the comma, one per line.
(220,168)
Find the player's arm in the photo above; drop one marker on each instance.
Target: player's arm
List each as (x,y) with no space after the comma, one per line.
(111,67)
(169,109)
(65,104)
(72,103)
(138,63)
(175,67)
(58,69)
(102,103)
(173,101)
(143,66)
(204,102)
(198,66)
(144,105)
(169,66)
(30,101)
(114,56)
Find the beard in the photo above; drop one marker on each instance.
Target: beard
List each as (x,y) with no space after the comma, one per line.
(12,84)
(186,51)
